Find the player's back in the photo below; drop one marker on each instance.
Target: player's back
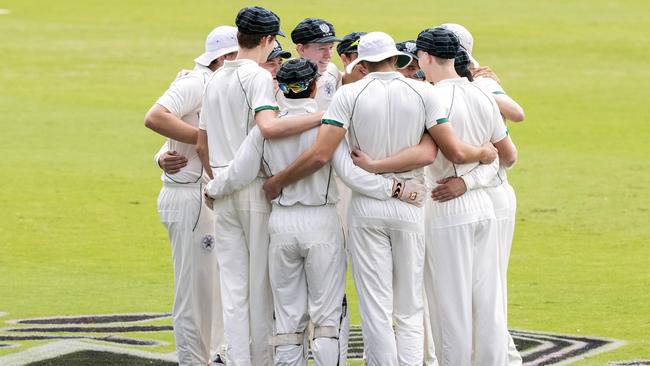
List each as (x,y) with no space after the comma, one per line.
(316,189)
(474,117)
(233,95)
(387,114)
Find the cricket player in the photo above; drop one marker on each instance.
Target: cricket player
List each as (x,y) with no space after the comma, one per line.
(500,191)
(238,97)
(307,256)
(272,65)
(314,39)
(386,237)
(197,318)
(462,240)
(347,50)
(411,69)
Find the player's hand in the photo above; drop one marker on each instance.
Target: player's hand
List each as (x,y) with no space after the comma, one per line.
(271,189)
(448,189)
(171,162)
(410,191)
(209,201)
(182,73)
(362,160)
(485,72)
(489,153)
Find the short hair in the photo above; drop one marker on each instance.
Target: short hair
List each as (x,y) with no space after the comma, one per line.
(249,41)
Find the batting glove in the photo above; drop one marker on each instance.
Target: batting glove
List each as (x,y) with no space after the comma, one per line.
(410,191)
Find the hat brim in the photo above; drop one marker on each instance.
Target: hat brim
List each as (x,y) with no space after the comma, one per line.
(472,61)
(280,33)
(276,54)
(207,57)
(403,59)
(328,39)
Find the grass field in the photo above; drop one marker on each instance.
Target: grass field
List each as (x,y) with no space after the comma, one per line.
(79,232)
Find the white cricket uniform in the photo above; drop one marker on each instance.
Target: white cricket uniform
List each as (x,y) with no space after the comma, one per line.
(462,279)
(385,113)
(306,256)
(232,96)
(505,204)
(197,318)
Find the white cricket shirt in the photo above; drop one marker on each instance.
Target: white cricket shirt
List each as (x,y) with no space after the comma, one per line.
(474,116)
(183,99)
(327,85)
(275,155)
(384,113)
(232,96)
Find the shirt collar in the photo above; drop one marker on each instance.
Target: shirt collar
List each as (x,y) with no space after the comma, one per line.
(238,62)
(300,106)
(458,80)
(385,75)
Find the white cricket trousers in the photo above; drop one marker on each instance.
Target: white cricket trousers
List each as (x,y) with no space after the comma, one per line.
(387,258)
(307,270)
(342,208)
(462,281)
(505,205)
(242,245)
(196,314)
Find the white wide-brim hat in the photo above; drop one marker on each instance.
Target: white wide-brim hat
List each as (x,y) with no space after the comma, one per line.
(221,41)
(378,46)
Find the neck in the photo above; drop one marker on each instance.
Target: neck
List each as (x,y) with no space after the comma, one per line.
(254,54)
(384,67)
(444,72)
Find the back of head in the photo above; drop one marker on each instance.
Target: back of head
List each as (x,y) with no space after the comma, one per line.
(349,43)
(462,63)
(254,23)
(438,42)
(297,78)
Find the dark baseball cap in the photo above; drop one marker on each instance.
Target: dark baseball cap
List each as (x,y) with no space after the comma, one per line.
(349,43)
(278,52)
(314,30)
(439,42)
(297,70)
(409,47)
(258,20)
(461,62)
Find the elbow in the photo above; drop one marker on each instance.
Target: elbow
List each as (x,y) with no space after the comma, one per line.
(456,156)
(429,157)
(149,122)
(201,149)
(518,115)
(321,158)
(268,132)
(508,160)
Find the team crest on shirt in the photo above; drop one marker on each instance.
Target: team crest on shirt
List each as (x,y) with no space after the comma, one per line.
(325,28)
(207,242)
(329,88)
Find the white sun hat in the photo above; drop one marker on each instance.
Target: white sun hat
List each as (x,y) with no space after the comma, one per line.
(221,41)
(465,38)
(378,46)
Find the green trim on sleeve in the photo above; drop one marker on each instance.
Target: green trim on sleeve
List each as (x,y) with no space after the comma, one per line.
(332,122)
(265,107)
(498,92)
(442,120)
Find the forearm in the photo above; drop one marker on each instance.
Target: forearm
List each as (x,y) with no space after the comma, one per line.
(273,128)
(481,176)
(203,152)
(510,109)
(357,179)
(168,125)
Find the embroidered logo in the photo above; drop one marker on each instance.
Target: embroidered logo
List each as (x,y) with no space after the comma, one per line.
(410,47)
(325,28)
(207,242)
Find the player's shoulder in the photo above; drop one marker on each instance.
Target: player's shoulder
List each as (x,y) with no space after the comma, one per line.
(489,85)
(333,71)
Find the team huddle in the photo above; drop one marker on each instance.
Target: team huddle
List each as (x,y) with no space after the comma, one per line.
(276,172)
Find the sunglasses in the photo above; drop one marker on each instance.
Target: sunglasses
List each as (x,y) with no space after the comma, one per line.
(296,87)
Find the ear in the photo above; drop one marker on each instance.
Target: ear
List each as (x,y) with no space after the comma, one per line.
(300,48)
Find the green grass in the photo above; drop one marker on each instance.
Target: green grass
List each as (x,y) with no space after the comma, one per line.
(79,232)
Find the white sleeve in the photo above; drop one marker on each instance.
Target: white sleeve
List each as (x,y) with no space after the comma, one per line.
(436,108)
(481,176)
(183,96)
(262,93)
(243,169)
(490,86)
(163,149)
(499,131)
(339,111)
(372,185)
